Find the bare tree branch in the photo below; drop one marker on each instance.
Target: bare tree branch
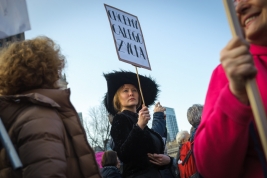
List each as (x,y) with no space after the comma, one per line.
(98,127)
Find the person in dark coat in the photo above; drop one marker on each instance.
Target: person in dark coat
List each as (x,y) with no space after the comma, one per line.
(111,165)
(159,126)
(138,147)
(159,121)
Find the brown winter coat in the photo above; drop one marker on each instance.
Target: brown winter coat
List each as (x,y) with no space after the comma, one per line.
(48,136)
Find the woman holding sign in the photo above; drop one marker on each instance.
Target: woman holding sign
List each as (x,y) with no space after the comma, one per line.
(225,143)
(138,147)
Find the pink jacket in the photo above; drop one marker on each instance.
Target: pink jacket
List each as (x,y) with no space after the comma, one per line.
(223,146)
(98,157)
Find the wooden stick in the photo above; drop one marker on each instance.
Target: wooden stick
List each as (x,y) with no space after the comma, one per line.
(251,85)
(140,86)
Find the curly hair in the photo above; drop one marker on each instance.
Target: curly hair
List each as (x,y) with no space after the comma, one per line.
(30,64)
(194,114)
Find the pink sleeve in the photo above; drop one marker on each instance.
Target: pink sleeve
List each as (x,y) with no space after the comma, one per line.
(222,137)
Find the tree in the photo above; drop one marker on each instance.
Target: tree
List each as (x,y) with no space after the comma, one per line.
(98,127)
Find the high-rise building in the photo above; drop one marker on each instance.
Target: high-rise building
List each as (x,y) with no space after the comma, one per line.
(6,41)
(62,82)
(80,114)
(172,127)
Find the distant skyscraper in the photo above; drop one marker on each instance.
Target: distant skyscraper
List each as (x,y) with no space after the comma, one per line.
(172,127)
(80,114)
(6,41)
(62,82)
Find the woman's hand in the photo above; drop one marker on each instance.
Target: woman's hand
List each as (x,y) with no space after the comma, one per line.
(144,117)
(239,66)
(159,108)
(159,159)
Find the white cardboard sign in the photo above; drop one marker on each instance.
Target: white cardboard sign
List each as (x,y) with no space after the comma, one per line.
(14,17)
(128,37)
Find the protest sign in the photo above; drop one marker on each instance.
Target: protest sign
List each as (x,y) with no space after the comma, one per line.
(13,17)
(128,37)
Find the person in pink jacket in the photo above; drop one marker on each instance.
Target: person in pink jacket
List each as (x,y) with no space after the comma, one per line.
(225,140)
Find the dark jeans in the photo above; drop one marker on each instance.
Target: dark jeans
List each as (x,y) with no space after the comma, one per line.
(167,173)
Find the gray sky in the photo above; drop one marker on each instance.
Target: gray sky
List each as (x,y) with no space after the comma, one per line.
(183,41)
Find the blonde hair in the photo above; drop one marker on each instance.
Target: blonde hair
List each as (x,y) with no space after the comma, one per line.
(181,136)
(116,100)
(30,64)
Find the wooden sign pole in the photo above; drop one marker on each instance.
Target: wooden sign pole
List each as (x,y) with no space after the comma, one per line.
(251,85)
(140,88)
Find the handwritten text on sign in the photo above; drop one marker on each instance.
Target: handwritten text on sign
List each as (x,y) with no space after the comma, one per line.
(128,37)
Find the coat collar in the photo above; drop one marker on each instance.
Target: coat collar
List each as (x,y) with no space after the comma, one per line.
(12,105)
(258,50)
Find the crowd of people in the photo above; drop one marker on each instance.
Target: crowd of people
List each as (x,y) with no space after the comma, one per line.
(48,136)
(176,168)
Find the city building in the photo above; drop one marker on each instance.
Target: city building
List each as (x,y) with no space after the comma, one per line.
(80,114)
(6,41)
(172,148)
(172,127)
(62,82)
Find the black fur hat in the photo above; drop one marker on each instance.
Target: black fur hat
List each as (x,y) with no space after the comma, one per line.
(116,79)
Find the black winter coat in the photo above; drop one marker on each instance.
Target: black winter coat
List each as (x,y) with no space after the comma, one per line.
(110,172)
(132,143)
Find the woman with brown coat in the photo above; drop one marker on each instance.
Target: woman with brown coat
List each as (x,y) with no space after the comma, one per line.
(40,119)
